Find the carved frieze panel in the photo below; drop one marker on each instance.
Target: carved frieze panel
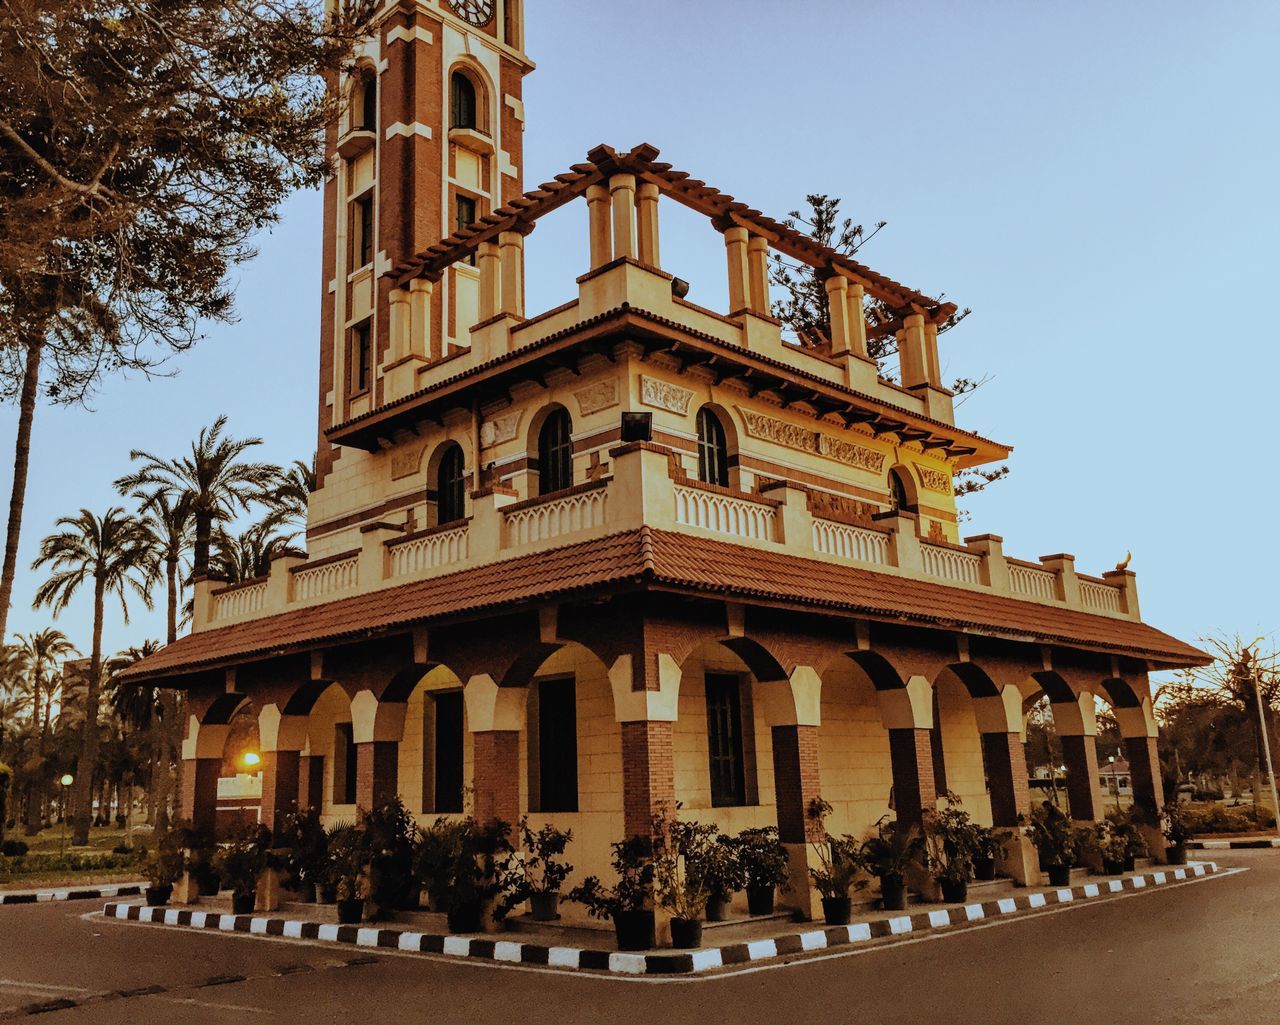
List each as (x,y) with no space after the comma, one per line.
(827,506)
(934,480)
(848,452)
(598,396)
(500,428)
(663,395)
(405,461)
(805,440)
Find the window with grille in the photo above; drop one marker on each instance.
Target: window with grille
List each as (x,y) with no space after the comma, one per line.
(362,231)
(344,764)
(555,453)
(713,449)
(361,357)
(898,490)
(463,105)
(448,751)
(724,740)
(451,486)
(557,745)
(369,104)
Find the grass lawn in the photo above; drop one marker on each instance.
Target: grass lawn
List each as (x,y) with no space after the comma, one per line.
(48,844)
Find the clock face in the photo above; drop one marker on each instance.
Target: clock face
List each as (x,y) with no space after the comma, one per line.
(474,12)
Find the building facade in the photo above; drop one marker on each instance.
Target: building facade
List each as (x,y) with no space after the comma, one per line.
(585,562)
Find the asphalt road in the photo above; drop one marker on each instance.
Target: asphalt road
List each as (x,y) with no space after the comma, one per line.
(1202,952)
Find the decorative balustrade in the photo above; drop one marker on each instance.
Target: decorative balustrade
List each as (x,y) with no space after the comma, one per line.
(725,514)
(1099,597)
(529,523)
(1033,582)
(239,600)
(312,582)
(846,541)
(429,551)
(951,564)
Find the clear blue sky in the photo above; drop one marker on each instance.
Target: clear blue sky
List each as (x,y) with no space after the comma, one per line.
(1096,180)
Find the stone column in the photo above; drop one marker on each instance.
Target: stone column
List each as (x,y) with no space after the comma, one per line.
(911,352)
(837,287)
(401,327)
(511,256)
(600,234)
(647,224)
(758,274)
(488,261)
(622,194)
(200,792)
(1144,772)
(377,773)
(496,760)
(735,241)
(420,290)
(1006,761)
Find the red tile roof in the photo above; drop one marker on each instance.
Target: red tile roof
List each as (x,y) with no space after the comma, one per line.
(667,560)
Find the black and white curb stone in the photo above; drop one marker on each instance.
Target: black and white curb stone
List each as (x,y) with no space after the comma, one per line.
(97,893)
(1252,843)
(673,963)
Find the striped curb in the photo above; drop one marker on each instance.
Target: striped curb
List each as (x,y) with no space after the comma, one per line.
(675,963)
(46,896)
(1257,843)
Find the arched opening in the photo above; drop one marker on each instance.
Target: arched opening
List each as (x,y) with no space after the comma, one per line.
(555,452)
(464,105)
(435,767)
(362,108)
(240,774)
(328,772)
(713,449)
(901,490)
(854,760)
(959,765)
(450,491)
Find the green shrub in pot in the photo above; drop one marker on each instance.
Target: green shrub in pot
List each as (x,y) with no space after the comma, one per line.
(628,903)
(888,854)
(684,854)
(951,842)
(765,866)
(1055,842)
(537,872)
(241,862)
(304,838)
(839,865)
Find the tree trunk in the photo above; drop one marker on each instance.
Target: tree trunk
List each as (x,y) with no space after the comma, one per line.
(18,494)
(204,537)
(169,738)
(89,738)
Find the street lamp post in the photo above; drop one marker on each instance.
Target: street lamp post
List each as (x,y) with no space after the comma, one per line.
(66,781)
(1266,741)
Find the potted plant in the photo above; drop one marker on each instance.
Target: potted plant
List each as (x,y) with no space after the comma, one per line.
(162,868)
(627,902)
(343,876)
(460,863)
(839,863)
(199,847)
(725,875)
(389,836)
(951,842)
(764,864)
(888,854)
(1135,843)
(538,873)
(307,844)
(990,845)
(1111,846)
(1055,842)
(683,853)
(1176,827)
(240,863)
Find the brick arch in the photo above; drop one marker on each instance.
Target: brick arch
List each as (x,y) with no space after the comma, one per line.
(975,679)
(224,709)
(1052,685)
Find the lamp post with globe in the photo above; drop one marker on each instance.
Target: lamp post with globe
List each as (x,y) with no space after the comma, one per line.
(66,781)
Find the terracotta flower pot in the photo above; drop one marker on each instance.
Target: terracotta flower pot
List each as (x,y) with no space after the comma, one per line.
(760,900)
(634,930)
(686,933)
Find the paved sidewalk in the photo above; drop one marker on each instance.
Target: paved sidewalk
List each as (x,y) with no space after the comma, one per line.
(792,939)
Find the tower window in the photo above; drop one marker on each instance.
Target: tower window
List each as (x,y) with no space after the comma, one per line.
(369,104)
(463,107)
(555,453)
(713,449)
(464,212)
(362,230)
(724,740)
(451,486)
(898,497)
(361,357)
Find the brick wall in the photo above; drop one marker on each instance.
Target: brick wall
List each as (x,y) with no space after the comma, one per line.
(1005,756)
(648,773)
(913,785)
(796,781)
(497,775)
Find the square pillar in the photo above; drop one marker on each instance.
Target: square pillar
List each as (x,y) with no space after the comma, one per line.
(377,769)
(735,241)
(758,274)
(622,195)
(647,224)
(497,776)
(1080,754)
(912,356)
(600,233)
(648,774)
(914,789)
(796,781)
(511,257)
(488,261)
(1144,773)
(1005,757)
(280,774)
(200,792)
(420,290)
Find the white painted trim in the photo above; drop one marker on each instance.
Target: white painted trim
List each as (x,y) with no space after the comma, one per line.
(1036,900)
(1091,889)
(628,964)
(899,925)
(293,930)
(457,945)
(860,932)
(417,128)
(973,912)
(705,959)
(939,918)
(419,33)
(563,957)
(327,932)
(760,949)
(516,105)
(367,938)
(505,950)
(1007,905)
(258,926)
(816,940)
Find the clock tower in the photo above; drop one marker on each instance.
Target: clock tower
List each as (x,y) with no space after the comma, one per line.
(429,140)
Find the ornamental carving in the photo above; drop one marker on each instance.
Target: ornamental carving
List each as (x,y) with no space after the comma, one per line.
(662,395)
(406,460)
(598,396)
(794,436)
(848,452)
(500,429)
(826,506)
(934,480)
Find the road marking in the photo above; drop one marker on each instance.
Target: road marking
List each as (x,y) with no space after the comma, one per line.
(41,986)
(193,1002)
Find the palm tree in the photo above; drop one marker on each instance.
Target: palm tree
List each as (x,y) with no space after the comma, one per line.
(112,553)
(213,476)
(249,554)
(168,519)
(41,652)
(287,501)
(138,708)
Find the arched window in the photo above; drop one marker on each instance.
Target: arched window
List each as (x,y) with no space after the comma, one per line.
(713,449)
(555,453)
(451,486)
(369,103)
(899,497)
(463,106)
